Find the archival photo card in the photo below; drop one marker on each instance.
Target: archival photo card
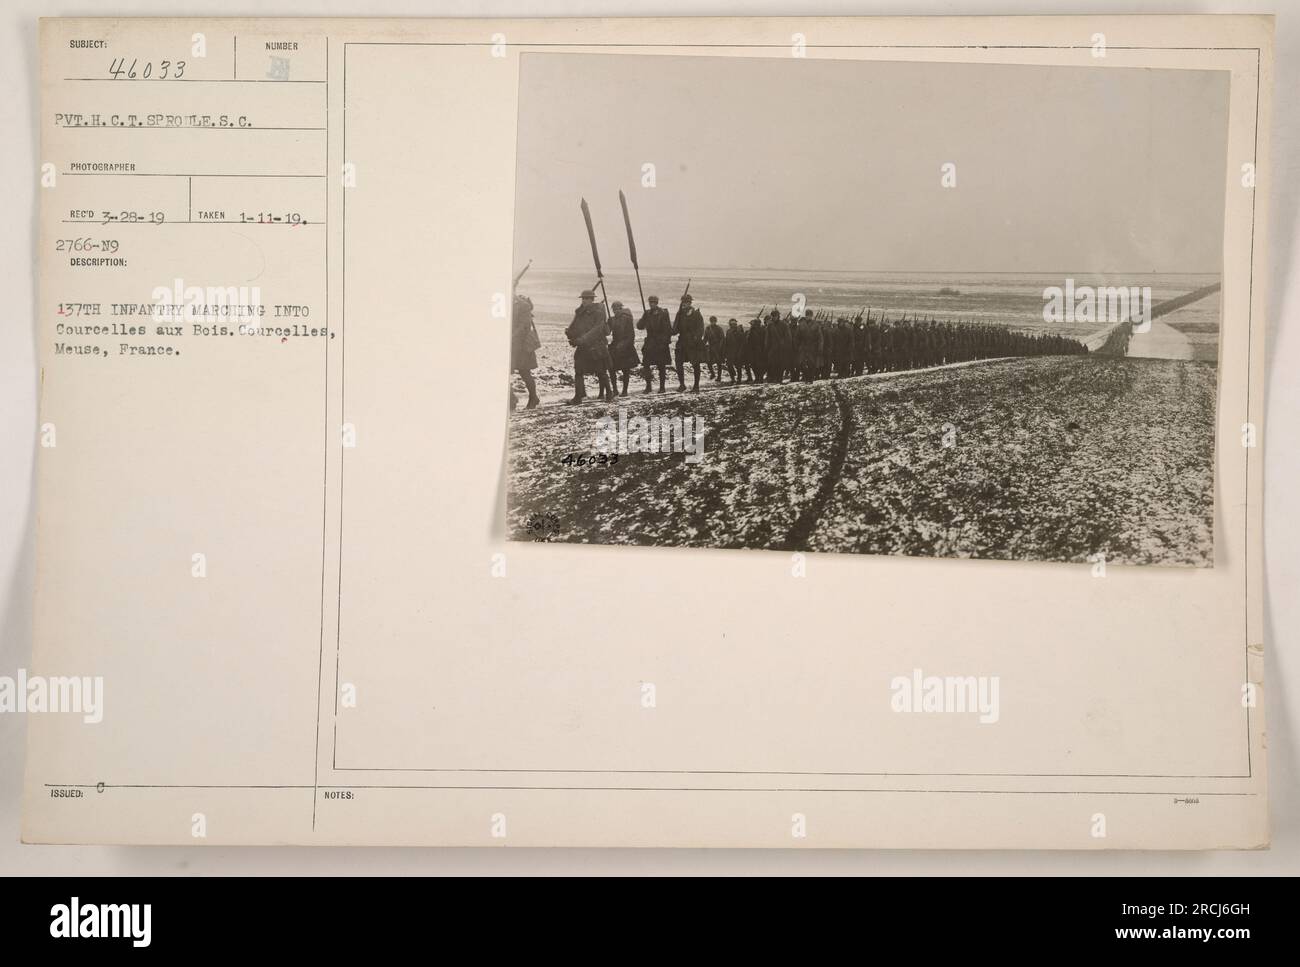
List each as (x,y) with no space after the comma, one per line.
(904,291)
(936,309)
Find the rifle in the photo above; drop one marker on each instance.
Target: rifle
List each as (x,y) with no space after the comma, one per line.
(536,340)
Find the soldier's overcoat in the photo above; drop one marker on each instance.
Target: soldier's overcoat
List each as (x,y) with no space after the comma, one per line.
(622,350)
(688,327)
(658,327)
(588,332)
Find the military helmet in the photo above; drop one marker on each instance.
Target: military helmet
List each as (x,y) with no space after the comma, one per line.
(588,294)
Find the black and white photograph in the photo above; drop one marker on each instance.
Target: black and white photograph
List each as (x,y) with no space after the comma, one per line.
(933,309)
(892,475)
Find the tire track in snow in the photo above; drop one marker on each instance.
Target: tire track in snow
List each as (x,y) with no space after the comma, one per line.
(806,523)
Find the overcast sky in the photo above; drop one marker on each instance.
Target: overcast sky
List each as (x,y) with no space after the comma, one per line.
(835,165)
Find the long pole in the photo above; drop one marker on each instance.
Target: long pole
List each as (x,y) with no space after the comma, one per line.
(595,255)
(631,246)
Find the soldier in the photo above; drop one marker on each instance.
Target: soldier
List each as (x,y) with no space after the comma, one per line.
(756,351)
(778,347)
(622,351)
(733,349)
(826,356)
(688,327)
(587,333)
(925,345)
(796,326)
(742,352)
(714,337)
(524,344)
(948,343)
(657,348)
(843,343)
(859,364)
(809,347)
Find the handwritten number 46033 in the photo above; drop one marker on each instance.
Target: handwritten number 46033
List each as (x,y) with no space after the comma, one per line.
(166,69)
(594,460)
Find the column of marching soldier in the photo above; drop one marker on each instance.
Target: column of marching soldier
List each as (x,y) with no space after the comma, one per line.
(771,349)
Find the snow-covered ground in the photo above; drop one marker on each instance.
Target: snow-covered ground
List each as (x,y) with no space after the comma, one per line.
(1046,458)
